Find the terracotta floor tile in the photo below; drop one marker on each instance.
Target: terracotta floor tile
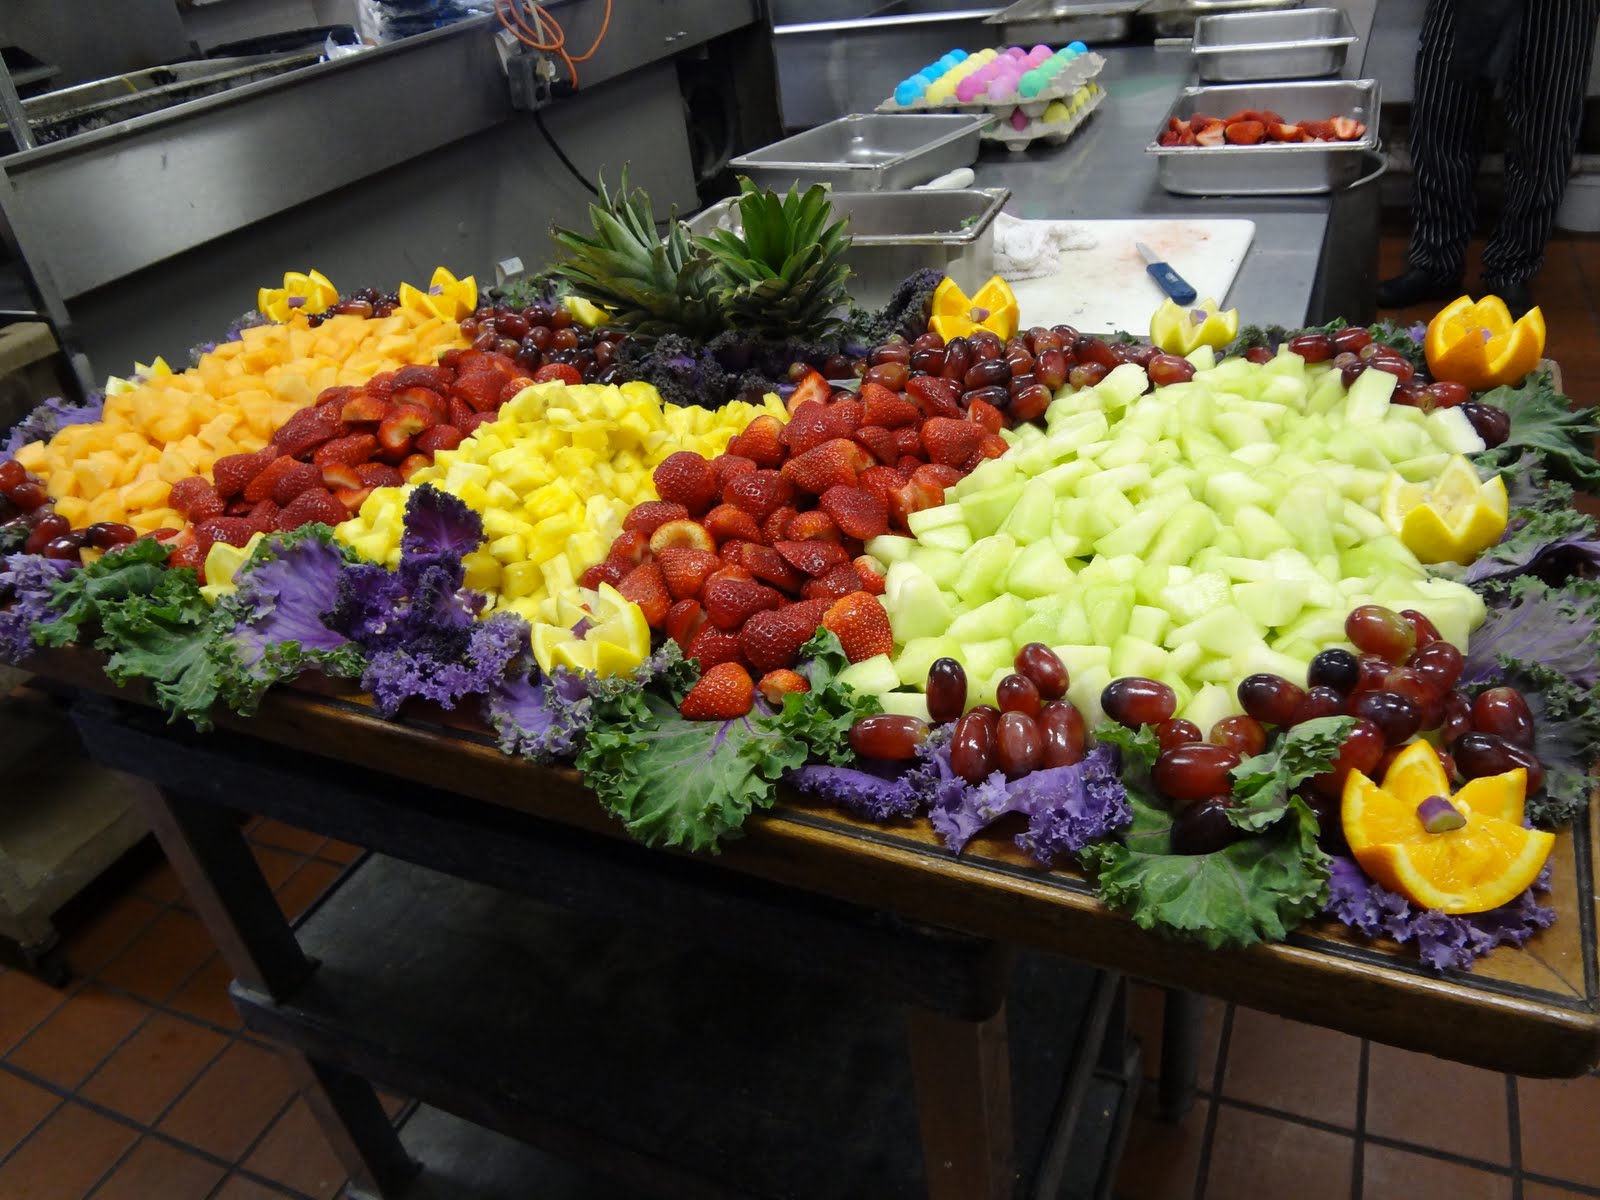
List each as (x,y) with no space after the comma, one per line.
(1320,1083)
(339,852)
(160,1169)
(232,1103)
(105,934)
(1534,1190)
(66,1156)
(22,1106)
(1161,1161)
(161,884)
(154,1067)
(206,995)
(305,885)
(1558,1128)
(1260,1156)
(79,1035)
(240,1188)
(24,1002)
(296,1154)
(276,865)
(287,837)
(1387,1172)
(1442,1105)
(162,958)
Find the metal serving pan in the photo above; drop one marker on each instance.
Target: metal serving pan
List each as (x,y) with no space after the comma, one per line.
(869,152)
(1303,168)
(1177,18)
(1097,22)
(1299,43)
(893,234)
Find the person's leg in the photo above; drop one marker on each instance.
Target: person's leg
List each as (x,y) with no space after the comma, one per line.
(1446,143)
(1544,108)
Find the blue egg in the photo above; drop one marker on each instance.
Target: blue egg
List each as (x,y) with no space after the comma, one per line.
(958,55)
(1077,47)
(906,93)
(931,73)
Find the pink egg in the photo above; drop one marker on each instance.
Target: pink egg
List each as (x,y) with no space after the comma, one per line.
(1042,51)
(1015,52)
(967,90)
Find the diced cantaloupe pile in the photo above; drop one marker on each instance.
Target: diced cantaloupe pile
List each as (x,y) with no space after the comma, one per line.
(170,426)
(553,476)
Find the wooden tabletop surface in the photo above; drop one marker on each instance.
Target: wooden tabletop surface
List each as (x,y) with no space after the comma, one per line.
(1533,1011)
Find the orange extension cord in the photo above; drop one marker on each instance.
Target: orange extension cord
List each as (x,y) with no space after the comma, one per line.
(545,33)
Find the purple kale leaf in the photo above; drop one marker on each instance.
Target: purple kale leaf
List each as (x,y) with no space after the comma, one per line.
(446,665)
(50,418)
(27,585)
(439,527)
(1530,623)
(537,718)
(861,793)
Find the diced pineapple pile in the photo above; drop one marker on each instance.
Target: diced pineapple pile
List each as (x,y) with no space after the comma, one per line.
(553,476)
(169,425)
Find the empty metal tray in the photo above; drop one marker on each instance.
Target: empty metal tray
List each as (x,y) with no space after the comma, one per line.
(1301,43)
(869,152)
(1057,22)
(1177,18)
(1296,168)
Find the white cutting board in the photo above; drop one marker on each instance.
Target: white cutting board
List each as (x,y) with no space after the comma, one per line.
(1104,287)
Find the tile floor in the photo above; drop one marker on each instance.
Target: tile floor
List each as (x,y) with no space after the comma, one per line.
(137,1083)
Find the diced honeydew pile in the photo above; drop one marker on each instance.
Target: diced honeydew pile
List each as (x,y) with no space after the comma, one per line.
(1202,533)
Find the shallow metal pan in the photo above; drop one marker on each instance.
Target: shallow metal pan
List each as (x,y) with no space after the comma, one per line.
(1177,18)
(1300,43)
(1303,168)
(1097,22)
(869,152)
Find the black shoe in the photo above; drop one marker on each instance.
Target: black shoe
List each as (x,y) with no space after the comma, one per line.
(1518,296)
(1414,287)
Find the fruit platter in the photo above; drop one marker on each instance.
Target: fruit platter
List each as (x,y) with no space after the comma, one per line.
(1230,635)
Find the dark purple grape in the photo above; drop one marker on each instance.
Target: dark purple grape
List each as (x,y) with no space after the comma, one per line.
(1491,422)
(1318,702)
(1480,754)
(1193,771)
(1336,669)
(1270,698)
(1394,715)
(972,753)
(1017,693)
(947,689)
(1330,821)
(1044,668)
(1203,827)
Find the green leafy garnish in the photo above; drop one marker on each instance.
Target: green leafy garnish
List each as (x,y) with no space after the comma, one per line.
(1262,785)
(1544,422)
(818,722)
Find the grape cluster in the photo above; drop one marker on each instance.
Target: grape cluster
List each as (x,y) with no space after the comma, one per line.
(25,509)
(543,334)
(368,302)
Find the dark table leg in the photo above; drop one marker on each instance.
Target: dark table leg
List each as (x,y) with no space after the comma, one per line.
(1180,1052)
(963,1083)
(208,851)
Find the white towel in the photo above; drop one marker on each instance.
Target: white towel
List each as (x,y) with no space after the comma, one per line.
(1032,249)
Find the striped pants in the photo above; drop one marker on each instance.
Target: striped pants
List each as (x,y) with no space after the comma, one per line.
(1543,100)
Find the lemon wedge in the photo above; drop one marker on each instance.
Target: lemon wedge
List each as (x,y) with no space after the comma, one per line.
(617,637)
(1453,519)
(1183,329)
(222,567)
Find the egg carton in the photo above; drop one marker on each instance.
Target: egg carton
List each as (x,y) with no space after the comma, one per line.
(1052,133)
(1077,73)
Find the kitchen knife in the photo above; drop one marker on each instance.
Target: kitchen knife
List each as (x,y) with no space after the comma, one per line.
(1166,278)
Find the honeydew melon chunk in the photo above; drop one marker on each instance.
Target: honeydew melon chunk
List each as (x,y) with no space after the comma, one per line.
(1296,648)
(1135,656)
(1361,485)
(1272,603)
(941,565)
(1125,384)
(1287,364)
(1107,607)
(874,676)
(1196,409)
(982,659)
(1148,623)
(1122,478)
(1150,582)
(1356,447)
(1080,657)
(1197,443)
(1452,431)
(947,537)
(1261,659)
(1064,478)
(1222,631)
(1183,659)
(1209,705)
(1423,468)
(1368,524)
(1085,689)
(905,704)
(1255,455)
(1024,434)
(1203,358)
(1190,527)
(1367,402)
(994,619)
(982,689)
(1384,557)
(1231,374)
(983,511)
(1036,458)
(1285,392)
(891,548)
(1073,624)
(1305,517)
(917,608)
(1030,518)
(1113,568)
(1400,441)
(1042,621)
(1326,394)
(1456,610)
(983,568)
(1074,429)
(1213,670)
(1259,533)
(1196,596)
(990,473)
(1039,570)
(918,654)
(1241,429)
(934,518)
(1135,536)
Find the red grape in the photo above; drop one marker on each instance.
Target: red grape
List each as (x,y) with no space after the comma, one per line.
(1480,754)
(1348,375)
(1489,421)
(1270,698)
(1240,732)
(1363,748)
(1403,681)
(1019,360)
(1030,404)
(988,712)
(1017,693)
(891,375)
(66,546)
(1044,668)
(1259,355)
(1503,712)
(11,474)
(1448,394)
(1134,701)
(1354,339)
(1063,732)
(103,535)
(929,362)
(1374,671)
(891,351)
(957,358)
(1194,771)
(1397,716)
(985,373)
(1018,746)
(986,344)
(28,495)
(1336,669)
(1313,347)
(1177,732)
(1410,392)
(1378,630)
(46,529)
(947,690)
(1455,716)
(888,736)
(1203,827)
(972,754)
(1050,369)
(1167,369)
(1397,366)
(1318,702)
(1093,350)
(997,396)
(1086,374)
(929,341)
(1427,632)
(1438,663)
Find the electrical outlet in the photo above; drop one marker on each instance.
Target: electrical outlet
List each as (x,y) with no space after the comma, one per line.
(528,72)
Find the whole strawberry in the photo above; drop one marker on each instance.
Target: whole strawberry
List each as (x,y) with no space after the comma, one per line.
(724,693)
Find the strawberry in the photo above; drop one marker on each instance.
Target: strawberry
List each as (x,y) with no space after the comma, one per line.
(808,427)
(296,480)
(437,378)
(775,685)
(992,445)
(880,441)
(1212,135)
(237,507)
(397,432)
(834,462)
(236,531)
(190,556)
(611,571)
(934,478)
(886,408)
(846,416)
(346,451)
(262,485)
(686,478)
(337,476)
(812,386)
(759,493)
(908,441)
(363,406)
(725,522)
(681,534)
(471,424)
(871,572)
(1347,129)
(686,570)
(440,437)
(813,558)
(770,640)
(381,386)
(313,504)
(856,511)
(514,387)
(732,554)
(813,527)
(352,498)
(684,620)
(837,582)
(646,518)
(630,546)
(195,498)
(264,516)
(730,569)
(307,430)
(761,442)
(935,395)
(881,482)
(411,464)
(423,400)
(336,397)
(775,528)
(646,587)
(861,625)
(726,466)
(729,602)
(1286,133)
(1244,133)
(986,416)
(479,390)
(377,475)
(565,372)
(724,693)
(713,646)
(768,565)
(950,442)
(232,472)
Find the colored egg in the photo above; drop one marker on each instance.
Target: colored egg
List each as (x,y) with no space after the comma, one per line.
(1016,52)
(958,55)
(906,94)
(1002,91)
(1077,47)
(1041,50)
(967,90)
(1055,111)
(1019,120)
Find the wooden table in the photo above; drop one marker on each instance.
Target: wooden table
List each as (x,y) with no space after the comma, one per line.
(1534,1011)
